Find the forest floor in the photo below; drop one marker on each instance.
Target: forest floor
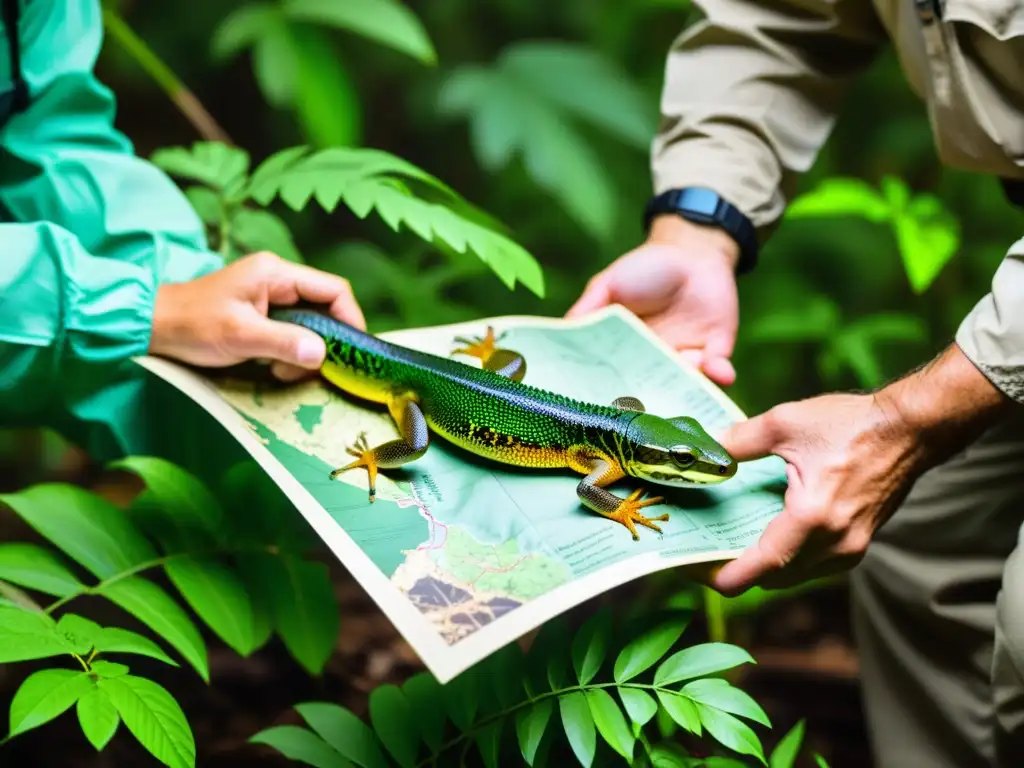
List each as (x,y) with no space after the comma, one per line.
(806,668)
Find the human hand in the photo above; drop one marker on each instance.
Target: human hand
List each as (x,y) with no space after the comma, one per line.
(682,283)
(221,319)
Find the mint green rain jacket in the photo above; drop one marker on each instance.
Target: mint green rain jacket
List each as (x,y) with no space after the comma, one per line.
(88,232)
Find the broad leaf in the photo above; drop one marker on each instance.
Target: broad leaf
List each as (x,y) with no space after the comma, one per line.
(788,749)
(242,28)
(721,695)
(926,245)
(206,204)
(345,732)
(590,645)
(28,635)
(392,720)
(639,705)
(218,597)
(664,757)
(108,668)
(731,732)
(700,661)
(682,711)
(81,633)
(90,530)
(98,718)
(644,651)
(157,610)
(153,717)
(116,640)
(256,230)
(326,101)
(45,695)
(275,62)
(301,746)
(531,722)
(610,722)
(578,724)
(841,197)
(215,164)
(422,692)
(488,741)
(34,567)
(460,698)
(384,21)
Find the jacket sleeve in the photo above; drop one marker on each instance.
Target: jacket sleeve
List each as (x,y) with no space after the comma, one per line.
(750,96)
(992,334)
(90,229)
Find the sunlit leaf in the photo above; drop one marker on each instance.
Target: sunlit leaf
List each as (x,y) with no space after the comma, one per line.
(644,651)
(731,732)
(116,640)
(788,749)
(391,718)
(27,635)
(927,242)
(218,597)
(682,710)
(34,567)
(98,718)
(610,722)
(45,695)
(639,705)
(699,661)
(157,610)
(153,717)
(301,746)
(326,99)
(578,724)
(841,197)
(211,162)
(81,633)
(531,722)
(721,695)
(88,529)
(385,21)
(108,668)
(346,733)
(590,645)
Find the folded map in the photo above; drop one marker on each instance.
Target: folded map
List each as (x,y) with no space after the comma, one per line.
(464,555)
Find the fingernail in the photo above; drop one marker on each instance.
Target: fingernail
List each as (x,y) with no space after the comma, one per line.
(310,352)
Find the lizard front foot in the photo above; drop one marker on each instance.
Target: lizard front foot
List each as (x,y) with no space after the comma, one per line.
(365,457)
(481,347)
(628,513)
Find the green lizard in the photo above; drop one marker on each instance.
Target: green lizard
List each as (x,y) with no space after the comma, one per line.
(489,411)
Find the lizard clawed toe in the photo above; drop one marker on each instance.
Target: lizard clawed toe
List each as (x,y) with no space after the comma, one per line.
(365,457)
(628,513)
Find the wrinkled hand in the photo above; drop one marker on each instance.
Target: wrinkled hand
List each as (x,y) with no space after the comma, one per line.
(221,319)
(682,283)
(851,460)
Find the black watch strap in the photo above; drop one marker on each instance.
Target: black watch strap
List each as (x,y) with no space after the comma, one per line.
(704,206)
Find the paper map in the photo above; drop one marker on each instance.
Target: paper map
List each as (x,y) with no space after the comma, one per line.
(465,555)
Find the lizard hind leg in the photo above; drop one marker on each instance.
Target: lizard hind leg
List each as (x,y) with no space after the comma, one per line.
(624,511)
(413,443)
(628,403)
(503,362)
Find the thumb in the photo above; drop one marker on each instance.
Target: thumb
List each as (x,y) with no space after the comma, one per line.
(596,295)
(751,439)
(283,343)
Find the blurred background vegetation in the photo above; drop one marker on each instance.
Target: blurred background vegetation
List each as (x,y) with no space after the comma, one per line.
(541,114)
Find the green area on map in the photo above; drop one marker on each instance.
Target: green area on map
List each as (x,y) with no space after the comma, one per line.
(467,541)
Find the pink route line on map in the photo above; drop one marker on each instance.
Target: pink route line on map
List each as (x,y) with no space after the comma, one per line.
(431,520)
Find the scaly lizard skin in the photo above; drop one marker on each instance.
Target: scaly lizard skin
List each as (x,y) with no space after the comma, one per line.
(491,413)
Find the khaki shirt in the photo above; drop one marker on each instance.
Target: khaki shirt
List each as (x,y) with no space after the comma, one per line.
(752,90)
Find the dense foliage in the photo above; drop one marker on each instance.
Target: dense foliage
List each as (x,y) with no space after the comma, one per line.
(446,144)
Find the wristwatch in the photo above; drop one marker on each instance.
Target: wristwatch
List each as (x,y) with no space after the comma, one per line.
(704,206)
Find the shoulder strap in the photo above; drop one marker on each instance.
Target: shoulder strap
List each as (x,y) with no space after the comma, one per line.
(12,12)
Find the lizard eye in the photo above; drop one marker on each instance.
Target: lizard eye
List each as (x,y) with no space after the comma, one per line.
(682,456)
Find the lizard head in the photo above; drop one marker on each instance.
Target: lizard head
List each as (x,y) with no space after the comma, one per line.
(675,452)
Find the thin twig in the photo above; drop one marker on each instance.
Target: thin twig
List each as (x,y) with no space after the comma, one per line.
(176,90)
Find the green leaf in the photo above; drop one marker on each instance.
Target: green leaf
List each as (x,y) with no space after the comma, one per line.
(327,101)
(681,709)
(108,668)
(301,746)
(700,661)
(345,732)
(841,197)
(116,640)
(644,651)
(384,21)
(788,749)
(153,717)
(80,633)
(488,741)
(98,718)
(459,697)
(158,611)
(579,726)
(186,501)
(927,243)
(639,705)
(90,530)
(610,722)
(816,319)
(391,718)
(275,61)
(206,204)
(242,28)
(721,695)
(590,645)
(731,732)
(302,603)
(422,691)
(28,635)
(44,696)
(822,763)
(257,230)
(34,567)
(218,597)
(890,326)
(664,757)
(210,162)
(531,723)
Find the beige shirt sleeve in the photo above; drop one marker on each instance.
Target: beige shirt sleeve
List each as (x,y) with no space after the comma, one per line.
(992,334)
(750,96)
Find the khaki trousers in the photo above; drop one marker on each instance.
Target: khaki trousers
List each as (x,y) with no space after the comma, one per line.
(938,607)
